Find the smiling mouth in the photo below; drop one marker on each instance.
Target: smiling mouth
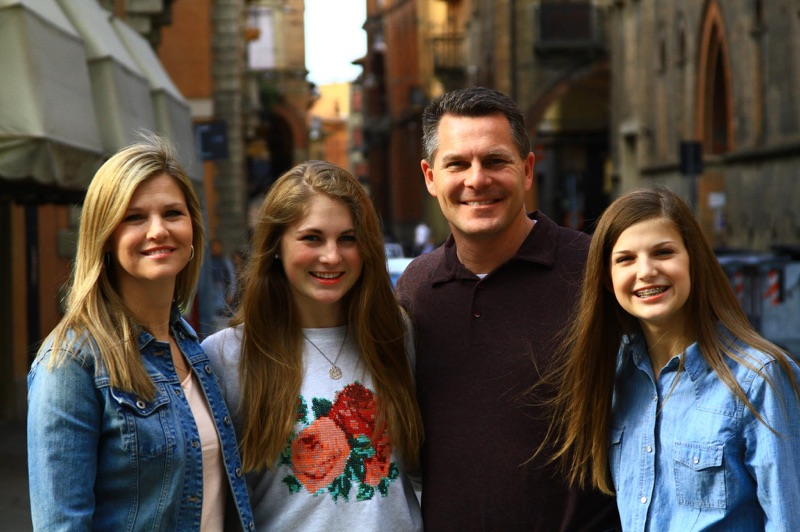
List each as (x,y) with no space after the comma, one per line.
(327,275)
(157,252)
(650,292)
(479,203)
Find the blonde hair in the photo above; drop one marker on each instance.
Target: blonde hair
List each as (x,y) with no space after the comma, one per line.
(95,313)
(272,362)
(579,426)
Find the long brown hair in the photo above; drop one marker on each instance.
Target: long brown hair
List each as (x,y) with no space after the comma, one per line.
(94,307)
(272,362)
(579,425)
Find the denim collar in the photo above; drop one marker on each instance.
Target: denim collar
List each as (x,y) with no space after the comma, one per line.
(176,323)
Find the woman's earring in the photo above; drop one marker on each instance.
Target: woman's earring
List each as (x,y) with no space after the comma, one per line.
(192,255)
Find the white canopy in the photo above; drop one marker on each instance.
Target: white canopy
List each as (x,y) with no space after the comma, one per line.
(120,90)
(172,113)
(76,84)
(48,125)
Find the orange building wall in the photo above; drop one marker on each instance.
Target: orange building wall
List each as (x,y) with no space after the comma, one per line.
(185,49)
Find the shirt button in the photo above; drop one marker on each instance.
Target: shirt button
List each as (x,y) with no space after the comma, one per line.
(182,336)
(178,393)
(251,526)
(208,369)
(649,449)
(227,420)
(643,500)
(195,444)
(140,404)
(238,471)
(695,460)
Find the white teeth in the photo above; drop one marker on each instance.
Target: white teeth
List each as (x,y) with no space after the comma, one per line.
(479,202)
(650,292)
(326,275)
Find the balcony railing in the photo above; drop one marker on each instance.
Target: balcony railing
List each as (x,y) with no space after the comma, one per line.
(448,53)
(568,27)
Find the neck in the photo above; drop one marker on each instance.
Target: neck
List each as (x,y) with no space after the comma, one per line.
(483,253)
(664,344)
(322,316)
(151,309)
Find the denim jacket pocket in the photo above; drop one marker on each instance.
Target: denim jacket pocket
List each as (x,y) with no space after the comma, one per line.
(699,474)
(147,426)
(615,453)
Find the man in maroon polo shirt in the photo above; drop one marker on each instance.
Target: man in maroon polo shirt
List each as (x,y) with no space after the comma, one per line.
(487,307)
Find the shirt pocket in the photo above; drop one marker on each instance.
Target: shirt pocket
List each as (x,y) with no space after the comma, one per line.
(699,474)
(147,426)
(615,454)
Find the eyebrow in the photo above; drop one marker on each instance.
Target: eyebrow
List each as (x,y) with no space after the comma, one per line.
(651,247)
(494,152)
(318,231)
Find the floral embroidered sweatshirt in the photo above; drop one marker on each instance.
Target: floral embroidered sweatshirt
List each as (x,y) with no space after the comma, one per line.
(331,475)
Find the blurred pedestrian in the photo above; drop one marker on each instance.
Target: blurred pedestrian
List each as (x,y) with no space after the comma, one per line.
(127,429)
(422,239)
(223,279)
(669,398)
(316,368)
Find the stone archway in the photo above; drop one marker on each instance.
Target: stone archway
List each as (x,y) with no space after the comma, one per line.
(714,110)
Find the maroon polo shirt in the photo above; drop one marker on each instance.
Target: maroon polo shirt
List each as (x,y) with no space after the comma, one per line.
(480,345)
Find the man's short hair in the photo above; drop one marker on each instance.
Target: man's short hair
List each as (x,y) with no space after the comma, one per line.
(472,102)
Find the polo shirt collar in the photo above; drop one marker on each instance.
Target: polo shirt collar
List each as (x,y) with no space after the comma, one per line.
(539,247)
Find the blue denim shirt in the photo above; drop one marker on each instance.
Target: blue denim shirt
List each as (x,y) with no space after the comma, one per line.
(695,457)
(102,459)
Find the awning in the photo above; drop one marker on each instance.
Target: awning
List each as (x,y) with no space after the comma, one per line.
(120,90)
(48,127)
(76,84)
(172,113)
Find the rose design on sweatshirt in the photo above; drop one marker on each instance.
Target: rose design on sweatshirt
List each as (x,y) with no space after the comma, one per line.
(319,454)
(335,452)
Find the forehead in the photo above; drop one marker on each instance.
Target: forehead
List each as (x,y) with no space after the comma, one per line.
(162,188)
(457,133)
(649,232)
(322,211)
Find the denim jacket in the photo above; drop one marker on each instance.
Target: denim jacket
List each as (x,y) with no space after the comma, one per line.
(103,459)
(689,455)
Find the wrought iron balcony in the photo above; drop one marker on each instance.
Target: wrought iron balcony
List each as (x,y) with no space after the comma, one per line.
(578,27)
(448,52)
(449,62)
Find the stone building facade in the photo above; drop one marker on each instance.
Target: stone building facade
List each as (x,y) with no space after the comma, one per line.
(724,74)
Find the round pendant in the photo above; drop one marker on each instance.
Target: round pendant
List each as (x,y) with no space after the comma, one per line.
(335,373)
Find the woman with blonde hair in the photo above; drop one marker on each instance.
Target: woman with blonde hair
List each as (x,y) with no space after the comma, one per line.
(668,398)
(127,429)
(316,367)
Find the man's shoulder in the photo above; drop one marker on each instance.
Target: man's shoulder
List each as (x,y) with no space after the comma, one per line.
(419,271)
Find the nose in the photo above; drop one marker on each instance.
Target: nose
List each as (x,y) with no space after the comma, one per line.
(330,254)
(157,229)
(477,177)
(647,268)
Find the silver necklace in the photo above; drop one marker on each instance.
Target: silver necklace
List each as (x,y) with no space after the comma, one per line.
(335,373)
